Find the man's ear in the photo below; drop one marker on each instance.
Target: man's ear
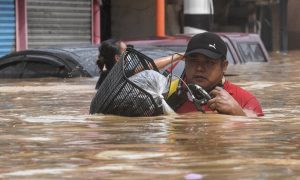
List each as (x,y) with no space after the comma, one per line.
(225,65)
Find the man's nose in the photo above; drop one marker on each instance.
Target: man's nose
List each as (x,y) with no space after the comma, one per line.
(201,67)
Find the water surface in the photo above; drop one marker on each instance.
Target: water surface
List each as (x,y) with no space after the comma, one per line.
(47,133)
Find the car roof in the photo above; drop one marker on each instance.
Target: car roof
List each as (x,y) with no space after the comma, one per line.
(77,61)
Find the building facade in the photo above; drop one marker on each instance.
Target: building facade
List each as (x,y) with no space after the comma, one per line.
(7,26)
(46,23)
(41,23)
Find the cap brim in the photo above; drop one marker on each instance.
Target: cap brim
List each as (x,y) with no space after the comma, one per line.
(205,52)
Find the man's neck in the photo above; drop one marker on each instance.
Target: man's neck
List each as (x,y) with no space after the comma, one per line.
(220,84)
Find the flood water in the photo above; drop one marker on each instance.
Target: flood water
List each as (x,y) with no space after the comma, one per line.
(47,133)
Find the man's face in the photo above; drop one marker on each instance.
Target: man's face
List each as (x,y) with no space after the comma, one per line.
(204,71)
(122,46)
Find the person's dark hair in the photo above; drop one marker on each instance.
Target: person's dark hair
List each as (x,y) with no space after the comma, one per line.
(107,51)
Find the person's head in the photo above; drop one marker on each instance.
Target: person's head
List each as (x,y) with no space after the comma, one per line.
(205,59)
(109,53)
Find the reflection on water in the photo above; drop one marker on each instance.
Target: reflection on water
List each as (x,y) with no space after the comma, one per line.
(46,133)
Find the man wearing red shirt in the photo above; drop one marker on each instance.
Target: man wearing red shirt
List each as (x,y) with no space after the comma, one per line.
(205,65)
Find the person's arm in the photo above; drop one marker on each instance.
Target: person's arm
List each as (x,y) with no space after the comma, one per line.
(224,103)
(164,61)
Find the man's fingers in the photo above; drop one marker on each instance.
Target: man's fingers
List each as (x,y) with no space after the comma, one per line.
(212,104)
(215,92)
(218,88)
(211,101)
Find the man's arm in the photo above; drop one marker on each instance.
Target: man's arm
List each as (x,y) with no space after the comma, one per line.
(224,103)
(164,61)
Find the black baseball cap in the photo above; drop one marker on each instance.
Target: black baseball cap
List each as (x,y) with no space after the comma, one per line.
(208,44)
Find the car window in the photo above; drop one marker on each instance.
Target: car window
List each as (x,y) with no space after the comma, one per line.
(229,56)
(251,52)
(41,69)
(12,70)
(31,69)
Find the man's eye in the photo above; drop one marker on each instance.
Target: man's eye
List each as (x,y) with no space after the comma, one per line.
(192,63)
(212,62)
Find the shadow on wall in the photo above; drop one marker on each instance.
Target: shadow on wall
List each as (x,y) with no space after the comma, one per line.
(293,26)
(132,18)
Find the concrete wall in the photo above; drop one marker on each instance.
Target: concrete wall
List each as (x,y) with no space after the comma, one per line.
(174,17)
(293,24)
(132,18)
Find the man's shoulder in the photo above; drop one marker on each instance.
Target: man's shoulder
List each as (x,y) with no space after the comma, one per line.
(244,98)
(236,90)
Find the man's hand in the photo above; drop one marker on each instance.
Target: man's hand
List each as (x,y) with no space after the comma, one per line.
(224,103)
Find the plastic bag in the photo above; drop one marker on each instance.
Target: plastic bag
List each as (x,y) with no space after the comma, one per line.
(155,84)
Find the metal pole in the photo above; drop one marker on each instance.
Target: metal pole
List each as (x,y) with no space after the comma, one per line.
(96,22)
(197,15)
(283,26)
(21,25)
(160,18)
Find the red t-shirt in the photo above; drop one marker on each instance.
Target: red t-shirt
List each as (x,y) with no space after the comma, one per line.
(245,99)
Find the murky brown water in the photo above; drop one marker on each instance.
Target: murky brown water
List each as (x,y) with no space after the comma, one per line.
(46,133)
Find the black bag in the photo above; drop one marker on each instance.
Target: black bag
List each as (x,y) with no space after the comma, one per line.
(121,96)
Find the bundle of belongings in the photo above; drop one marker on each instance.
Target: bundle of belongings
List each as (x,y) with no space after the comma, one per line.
(134,87)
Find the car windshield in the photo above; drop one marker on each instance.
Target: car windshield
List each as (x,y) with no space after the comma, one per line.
(32,69)
(229,56)
(251,52)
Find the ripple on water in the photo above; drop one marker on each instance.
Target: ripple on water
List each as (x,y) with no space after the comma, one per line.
(55,118)
(33,172)
(257,85)
(47,88)
(38,139)
(131,155)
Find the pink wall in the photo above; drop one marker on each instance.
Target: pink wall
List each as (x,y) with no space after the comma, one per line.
(21,25)
(95,22)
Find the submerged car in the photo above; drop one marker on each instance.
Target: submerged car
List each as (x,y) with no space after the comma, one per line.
(61,62)
(242,47)
(71,62)
(52,62)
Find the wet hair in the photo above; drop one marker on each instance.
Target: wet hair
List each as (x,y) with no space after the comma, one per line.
(107,51)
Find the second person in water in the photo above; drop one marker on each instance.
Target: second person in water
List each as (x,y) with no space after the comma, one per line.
(110,52)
